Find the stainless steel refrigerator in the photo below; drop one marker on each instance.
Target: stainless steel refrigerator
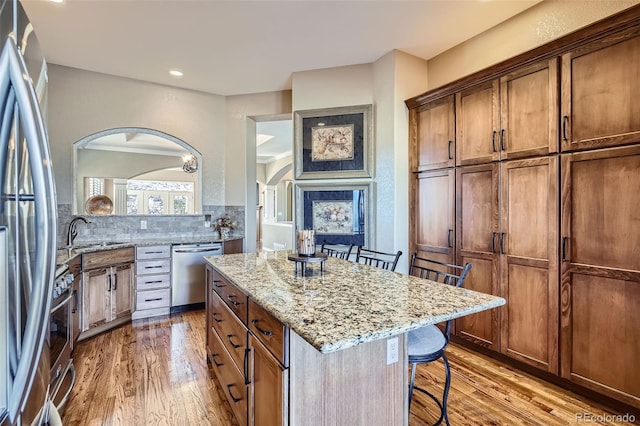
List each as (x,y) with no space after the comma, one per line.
(28,223)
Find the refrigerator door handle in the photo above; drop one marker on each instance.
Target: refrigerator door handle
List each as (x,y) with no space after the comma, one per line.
(14,74)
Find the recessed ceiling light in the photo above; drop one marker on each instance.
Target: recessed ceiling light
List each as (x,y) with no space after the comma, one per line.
(176,72)
(56,1)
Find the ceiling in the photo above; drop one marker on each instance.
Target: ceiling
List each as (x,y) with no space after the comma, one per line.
(241,47)
(275,140)
(141,143)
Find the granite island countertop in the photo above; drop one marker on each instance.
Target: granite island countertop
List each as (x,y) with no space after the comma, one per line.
(350,303)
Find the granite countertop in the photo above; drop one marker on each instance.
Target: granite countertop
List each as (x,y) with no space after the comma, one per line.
(350,303)
(65,254)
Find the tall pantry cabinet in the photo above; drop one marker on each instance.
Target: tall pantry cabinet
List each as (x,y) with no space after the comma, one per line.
(530,170)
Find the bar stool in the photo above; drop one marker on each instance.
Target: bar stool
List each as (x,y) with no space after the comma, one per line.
(428,343)
(341,251)
(379,259)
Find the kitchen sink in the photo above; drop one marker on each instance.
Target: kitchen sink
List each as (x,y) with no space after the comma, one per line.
(93,245)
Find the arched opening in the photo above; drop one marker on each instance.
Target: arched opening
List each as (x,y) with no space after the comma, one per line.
(142,171)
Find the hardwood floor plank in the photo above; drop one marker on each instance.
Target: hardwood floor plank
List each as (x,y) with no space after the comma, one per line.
(149,372)
(154,372)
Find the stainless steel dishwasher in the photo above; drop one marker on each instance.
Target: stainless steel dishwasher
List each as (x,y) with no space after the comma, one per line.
(188,274)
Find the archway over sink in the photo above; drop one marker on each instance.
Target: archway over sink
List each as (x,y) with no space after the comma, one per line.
(143,171)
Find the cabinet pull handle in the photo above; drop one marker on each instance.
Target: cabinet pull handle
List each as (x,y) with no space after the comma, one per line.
(217,284)
(230,298)
(565,124)
(493,141)
(502,234)
(229,336)
(449,150)
(109,278)
(75,302)
(153,300)
(153,267)
(216,319)
(502,140)
(213,358)
(565,240)
(246,367)
(115,282)
(153,282)
(265,332)
(152,252)
(449,238)
(493,242)
(231,395)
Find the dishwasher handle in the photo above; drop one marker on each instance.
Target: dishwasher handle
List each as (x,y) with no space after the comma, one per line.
(197,250)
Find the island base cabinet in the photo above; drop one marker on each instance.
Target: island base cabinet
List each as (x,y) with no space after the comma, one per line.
(231,380)
(353,386)
(269,385)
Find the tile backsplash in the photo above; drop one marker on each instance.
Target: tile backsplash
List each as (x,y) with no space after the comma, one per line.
(128,228)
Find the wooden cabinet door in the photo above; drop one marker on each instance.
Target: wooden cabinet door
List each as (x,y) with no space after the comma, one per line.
(600,93)
(601,208)
(529,111)
(96,298)
(528,245)
(600,282)
(434,215)
(121,291)
(477,242)
(270,388)
(477,124)
(435,130)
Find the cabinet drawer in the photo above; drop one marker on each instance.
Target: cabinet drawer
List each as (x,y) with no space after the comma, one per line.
(106,258)
(153,299)
(156,266)
(231,379)
(153,252)
(231,331)
(231,295)
(152,282)
(269,331)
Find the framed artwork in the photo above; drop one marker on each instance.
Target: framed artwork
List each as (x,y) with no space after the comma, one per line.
(339,213)
(333,142)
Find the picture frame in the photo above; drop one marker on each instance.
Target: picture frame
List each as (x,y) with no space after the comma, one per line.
(333,142)
(339,213)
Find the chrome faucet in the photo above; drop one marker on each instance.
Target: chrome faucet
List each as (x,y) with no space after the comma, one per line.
(72,232)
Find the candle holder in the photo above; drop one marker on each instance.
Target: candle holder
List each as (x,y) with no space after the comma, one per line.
(306,242)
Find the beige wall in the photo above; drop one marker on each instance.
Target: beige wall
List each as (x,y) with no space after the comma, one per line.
(410,77)
(540,24)
(385,84)
(241,116)
(82,103)
(223,129)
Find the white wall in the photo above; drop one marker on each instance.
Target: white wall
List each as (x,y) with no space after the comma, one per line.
(275,232)
(82,103)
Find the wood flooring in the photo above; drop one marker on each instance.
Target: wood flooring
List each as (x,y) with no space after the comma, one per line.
(153,372)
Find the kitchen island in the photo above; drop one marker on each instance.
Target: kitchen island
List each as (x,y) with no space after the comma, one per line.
(324,348)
